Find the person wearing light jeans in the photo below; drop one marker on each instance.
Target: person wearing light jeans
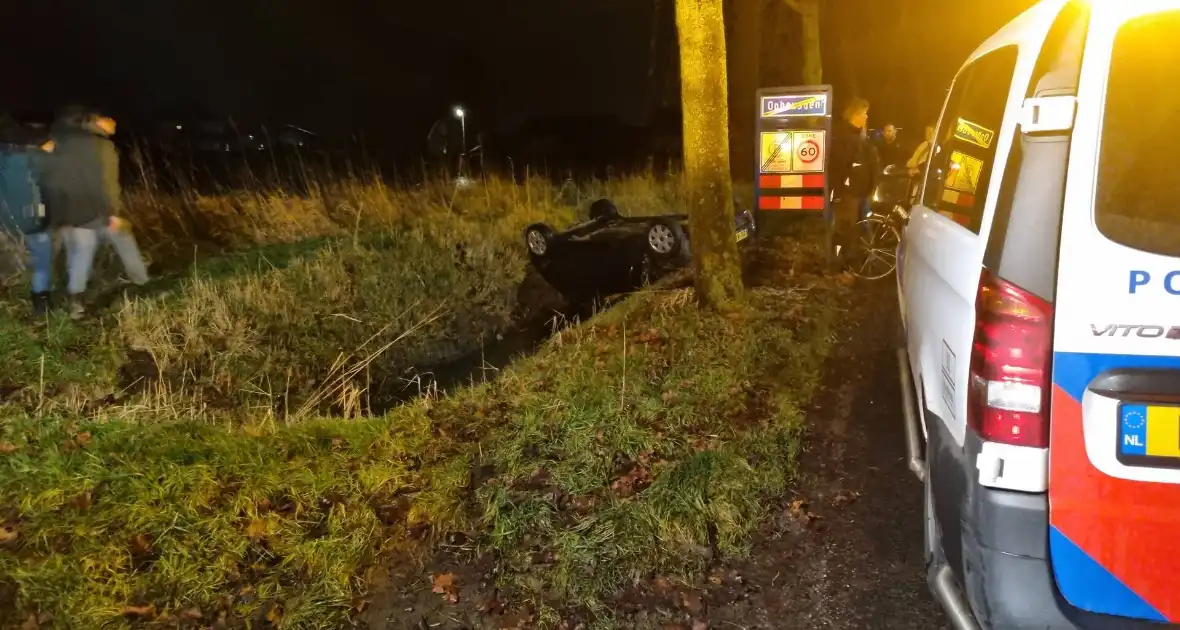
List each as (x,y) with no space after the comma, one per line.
(84,199)
(82,244)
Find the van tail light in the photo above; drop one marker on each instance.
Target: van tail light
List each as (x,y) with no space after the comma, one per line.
(1008,395)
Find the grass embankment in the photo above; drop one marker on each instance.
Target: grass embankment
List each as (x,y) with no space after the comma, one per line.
(302,296)
(640,443)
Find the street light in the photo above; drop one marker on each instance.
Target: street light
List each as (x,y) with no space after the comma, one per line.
(462,116)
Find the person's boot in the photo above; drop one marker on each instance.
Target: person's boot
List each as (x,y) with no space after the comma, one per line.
(77,309)
(40,305)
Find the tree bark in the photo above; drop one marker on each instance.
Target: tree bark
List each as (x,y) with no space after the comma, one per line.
(745,47)
(813,67)
(700,25)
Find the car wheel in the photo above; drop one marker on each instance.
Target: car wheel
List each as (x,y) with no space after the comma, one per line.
(603,210)
(665,239)
(539,239)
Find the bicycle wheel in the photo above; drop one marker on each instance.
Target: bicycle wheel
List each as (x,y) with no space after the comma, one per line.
(878,243)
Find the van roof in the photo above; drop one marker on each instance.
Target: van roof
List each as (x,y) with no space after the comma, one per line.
(1027,28)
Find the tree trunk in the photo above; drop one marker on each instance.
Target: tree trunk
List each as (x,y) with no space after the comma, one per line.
(813,68)
(779,40)
(746,48)
(709,190)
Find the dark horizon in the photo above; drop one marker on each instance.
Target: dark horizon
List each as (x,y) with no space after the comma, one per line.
(363,68)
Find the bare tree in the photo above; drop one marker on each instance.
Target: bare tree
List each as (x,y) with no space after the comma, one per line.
(700,25)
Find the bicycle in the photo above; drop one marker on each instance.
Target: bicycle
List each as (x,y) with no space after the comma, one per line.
(880,235)
(880,232)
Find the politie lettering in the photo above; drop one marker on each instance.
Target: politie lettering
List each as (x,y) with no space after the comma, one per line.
(1141,278)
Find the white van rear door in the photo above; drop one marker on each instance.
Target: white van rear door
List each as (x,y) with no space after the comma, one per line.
(1114,480)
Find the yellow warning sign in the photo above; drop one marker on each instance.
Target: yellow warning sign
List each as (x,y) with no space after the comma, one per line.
(963,174)
(775,154)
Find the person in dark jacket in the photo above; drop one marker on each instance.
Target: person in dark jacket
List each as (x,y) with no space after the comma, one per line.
(852,180)
(22,213)
(83,197)
(889,147)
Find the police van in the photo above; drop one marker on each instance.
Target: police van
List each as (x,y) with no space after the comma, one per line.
(1039,285)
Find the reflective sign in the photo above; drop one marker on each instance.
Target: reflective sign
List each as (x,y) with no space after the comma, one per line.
(963,174)
(978,135)
(775,154)
(794,105)
(809,151)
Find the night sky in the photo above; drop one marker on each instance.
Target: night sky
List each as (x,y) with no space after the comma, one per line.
(381,67)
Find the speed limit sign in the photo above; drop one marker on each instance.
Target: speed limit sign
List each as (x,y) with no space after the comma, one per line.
(809,151)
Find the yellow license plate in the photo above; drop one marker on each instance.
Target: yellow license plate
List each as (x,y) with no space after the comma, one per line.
(1149,432)
(742,234)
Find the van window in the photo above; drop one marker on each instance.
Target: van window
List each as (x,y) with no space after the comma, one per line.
(960,170)
(1138,200)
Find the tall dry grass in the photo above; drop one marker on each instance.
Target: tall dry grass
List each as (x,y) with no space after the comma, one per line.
(266,298)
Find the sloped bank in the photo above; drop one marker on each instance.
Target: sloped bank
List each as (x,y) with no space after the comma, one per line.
(642,442)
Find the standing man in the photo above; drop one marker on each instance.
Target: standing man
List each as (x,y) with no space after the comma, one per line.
(852,182)
(889,148)
(22,213)
(82,194)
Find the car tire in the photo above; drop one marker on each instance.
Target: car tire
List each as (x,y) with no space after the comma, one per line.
(604,211)
(665,239)
(539,239)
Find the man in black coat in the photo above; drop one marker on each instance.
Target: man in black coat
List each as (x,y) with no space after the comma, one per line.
(850,167)
(82,196)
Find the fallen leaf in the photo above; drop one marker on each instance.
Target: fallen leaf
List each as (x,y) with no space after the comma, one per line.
(691,602)
(275,614)
(6,448)
(8,533)
(82,439)
(256,530)
(359,604)
(634,481)
(798,506)
(148,610)
(844,498)
(699,625)
(444,584)
(715,580)
(192,614)
(84,501)
(141,544)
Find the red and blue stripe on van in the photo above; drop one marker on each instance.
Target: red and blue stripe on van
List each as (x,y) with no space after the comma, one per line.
(1113,542)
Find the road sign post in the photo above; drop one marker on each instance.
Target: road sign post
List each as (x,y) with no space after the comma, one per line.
(794,134)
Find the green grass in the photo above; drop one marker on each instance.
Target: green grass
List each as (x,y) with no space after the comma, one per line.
(248,484)
(703,407)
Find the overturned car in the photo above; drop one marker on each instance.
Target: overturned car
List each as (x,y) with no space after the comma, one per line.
(612,253)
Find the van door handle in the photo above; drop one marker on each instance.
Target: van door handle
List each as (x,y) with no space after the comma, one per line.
(1139,384)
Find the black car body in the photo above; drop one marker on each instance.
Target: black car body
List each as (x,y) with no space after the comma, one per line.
(611,254)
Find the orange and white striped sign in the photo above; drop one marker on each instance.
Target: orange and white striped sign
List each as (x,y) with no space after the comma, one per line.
(776,182)
(809,202)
